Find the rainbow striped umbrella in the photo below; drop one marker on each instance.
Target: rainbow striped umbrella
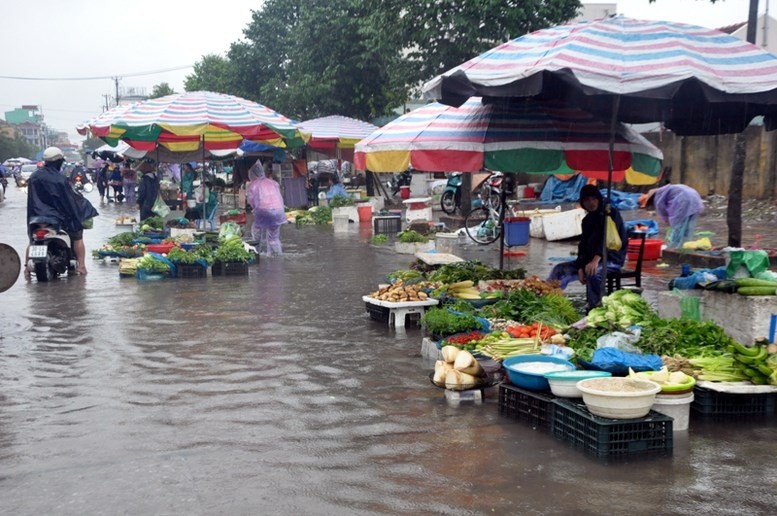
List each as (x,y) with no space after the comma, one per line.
(104,119)
(182,122)
(335,132)
(530,136)
(695,80)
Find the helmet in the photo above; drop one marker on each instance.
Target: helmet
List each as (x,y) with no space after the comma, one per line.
(53,154)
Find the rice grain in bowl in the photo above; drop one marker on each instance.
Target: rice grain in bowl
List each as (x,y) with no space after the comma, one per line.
(618,398)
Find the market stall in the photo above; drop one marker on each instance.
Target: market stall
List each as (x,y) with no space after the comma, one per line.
(618,381)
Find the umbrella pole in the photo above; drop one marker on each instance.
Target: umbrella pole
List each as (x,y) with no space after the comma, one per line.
(502,201)
(611,150)
(202,183)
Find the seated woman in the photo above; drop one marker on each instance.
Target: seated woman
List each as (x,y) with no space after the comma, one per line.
(335,188)
(207,198)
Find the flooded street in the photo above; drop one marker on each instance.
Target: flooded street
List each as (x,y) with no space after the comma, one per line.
(276,393)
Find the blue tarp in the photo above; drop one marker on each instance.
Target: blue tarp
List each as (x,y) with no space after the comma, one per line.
(652,226)
(623,200)
(556,190)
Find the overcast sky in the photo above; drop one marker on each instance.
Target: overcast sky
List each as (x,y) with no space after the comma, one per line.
(109,38)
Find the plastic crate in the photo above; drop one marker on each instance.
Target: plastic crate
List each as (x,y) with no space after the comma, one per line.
(190,270)
(607,438)
(386,225)
(724,405)
(229,269)
(378,313)
(536,408)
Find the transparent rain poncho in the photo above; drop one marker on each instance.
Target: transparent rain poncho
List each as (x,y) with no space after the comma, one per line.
(679,206)
(264,195)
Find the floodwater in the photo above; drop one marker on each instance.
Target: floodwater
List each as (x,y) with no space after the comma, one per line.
(275,393)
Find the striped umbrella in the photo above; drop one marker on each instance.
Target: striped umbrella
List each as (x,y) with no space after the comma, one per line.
(335,132)
(530,136)
(695,80)
(104,119)
(181,122)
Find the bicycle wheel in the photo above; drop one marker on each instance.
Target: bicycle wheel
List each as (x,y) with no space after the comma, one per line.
(448,202)
(481,227)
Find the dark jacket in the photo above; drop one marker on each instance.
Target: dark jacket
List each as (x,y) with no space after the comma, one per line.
(592,239)
(148,191)
(52,200)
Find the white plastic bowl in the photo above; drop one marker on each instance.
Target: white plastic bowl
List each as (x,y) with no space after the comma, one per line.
(564,383)
(605,397)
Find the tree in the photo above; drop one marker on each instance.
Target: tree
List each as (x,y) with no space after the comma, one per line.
(161,90)
(90,144)
(212,73)
(15,147)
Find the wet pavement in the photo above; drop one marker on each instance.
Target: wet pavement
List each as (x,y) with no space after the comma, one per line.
(276,393)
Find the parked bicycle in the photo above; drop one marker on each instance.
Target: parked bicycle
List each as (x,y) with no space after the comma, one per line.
(484,224)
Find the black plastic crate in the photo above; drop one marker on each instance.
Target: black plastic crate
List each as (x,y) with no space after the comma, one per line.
(190,270)
(536,408)
(378,313)
(386,224)
(229,269)
(607,438)
(724,405)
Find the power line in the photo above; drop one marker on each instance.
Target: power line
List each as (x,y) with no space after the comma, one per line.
(152,72)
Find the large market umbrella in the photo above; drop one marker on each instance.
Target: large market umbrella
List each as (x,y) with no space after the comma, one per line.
(186,122)
(331,134)
(695,80)
(543,137)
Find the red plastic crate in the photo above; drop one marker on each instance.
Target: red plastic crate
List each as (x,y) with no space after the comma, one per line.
(652,249)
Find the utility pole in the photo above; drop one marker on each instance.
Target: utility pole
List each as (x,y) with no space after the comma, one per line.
(106,97)
(116,82)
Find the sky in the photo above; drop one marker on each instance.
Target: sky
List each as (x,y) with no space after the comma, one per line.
(54,39)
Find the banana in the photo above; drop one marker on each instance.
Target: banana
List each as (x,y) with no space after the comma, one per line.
(744,359)
(764,369)
(746,351)
(461,284)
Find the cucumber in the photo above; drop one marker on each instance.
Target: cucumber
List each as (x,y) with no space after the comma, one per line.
(754,282)
(757,291)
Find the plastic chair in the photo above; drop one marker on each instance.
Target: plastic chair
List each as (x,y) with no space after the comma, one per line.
(200,223)
(614,277)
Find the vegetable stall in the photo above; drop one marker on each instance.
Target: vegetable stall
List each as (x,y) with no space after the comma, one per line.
(500,329)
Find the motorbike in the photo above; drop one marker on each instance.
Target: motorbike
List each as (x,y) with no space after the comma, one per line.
(51,253)
(82,184)
(450,200)
(4,185)
(403,179)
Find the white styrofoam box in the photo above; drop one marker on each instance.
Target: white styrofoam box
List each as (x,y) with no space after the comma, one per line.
(422,214)
(174,232)
(352,212)
(566,224)
(430,350)
(742,317)
(536,225)
(378,203)
(413,247)
(340,223)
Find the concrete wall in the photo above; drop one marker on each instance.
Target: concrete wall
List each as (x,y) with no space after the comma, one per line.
(704,162)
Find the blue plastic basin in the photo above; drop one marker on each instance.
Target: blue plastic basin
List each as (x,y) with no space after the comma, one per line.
(528,380)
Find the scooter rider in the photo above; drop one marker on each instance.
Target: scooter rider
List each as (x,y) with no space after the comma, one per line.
(52,200)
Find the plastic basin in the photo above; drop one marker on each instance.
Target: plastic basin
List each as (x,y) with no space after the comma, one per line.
(564,383)
(533,381)
(680,388)
(607,397)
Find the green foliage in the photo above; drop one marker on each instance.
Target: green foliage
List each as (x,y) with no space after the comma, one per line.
(122,239)
(15,147)
(212,73)
(322,215)
(154,222)
(161,90)
(443,322)
(379,239)
(338,201)
(473,270)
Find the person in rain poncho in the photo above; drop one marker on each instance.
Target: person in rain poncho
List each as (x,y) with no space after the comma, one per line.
(148,191)
(336,188)
(264,196)
(676,205)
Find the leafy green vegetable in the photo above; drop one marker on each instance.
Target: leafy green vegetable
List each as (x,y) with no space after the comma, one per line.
(232,249)
(410,236)
(154,222)
(472,270)
(379,239)
(323,215)
(443,322)
(684,337)
(122,239)
(338,201)
(622,309)
(584,341)
(150,264)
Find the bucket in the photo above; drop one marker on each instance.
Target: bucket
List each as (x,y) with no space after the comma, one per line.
(340,222)
(676,406)
(517,230)
(444,242)
(404,192)
(365,213)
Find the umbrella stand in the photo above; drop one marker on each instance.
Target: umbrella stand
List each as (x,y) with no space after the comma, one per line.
(502,202)
(616,101)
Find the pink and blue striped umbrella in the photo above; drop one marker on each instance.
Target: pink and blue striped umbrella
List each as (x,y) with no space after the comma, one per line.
(542,137)
(695,80)
(332,132)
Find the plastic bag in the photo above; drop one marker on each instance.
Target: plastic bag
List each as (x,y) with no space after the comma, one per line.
(614,242)
(747,263)
(689,307)
(160,207)
(229,229)
(619,340)
(618,362)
